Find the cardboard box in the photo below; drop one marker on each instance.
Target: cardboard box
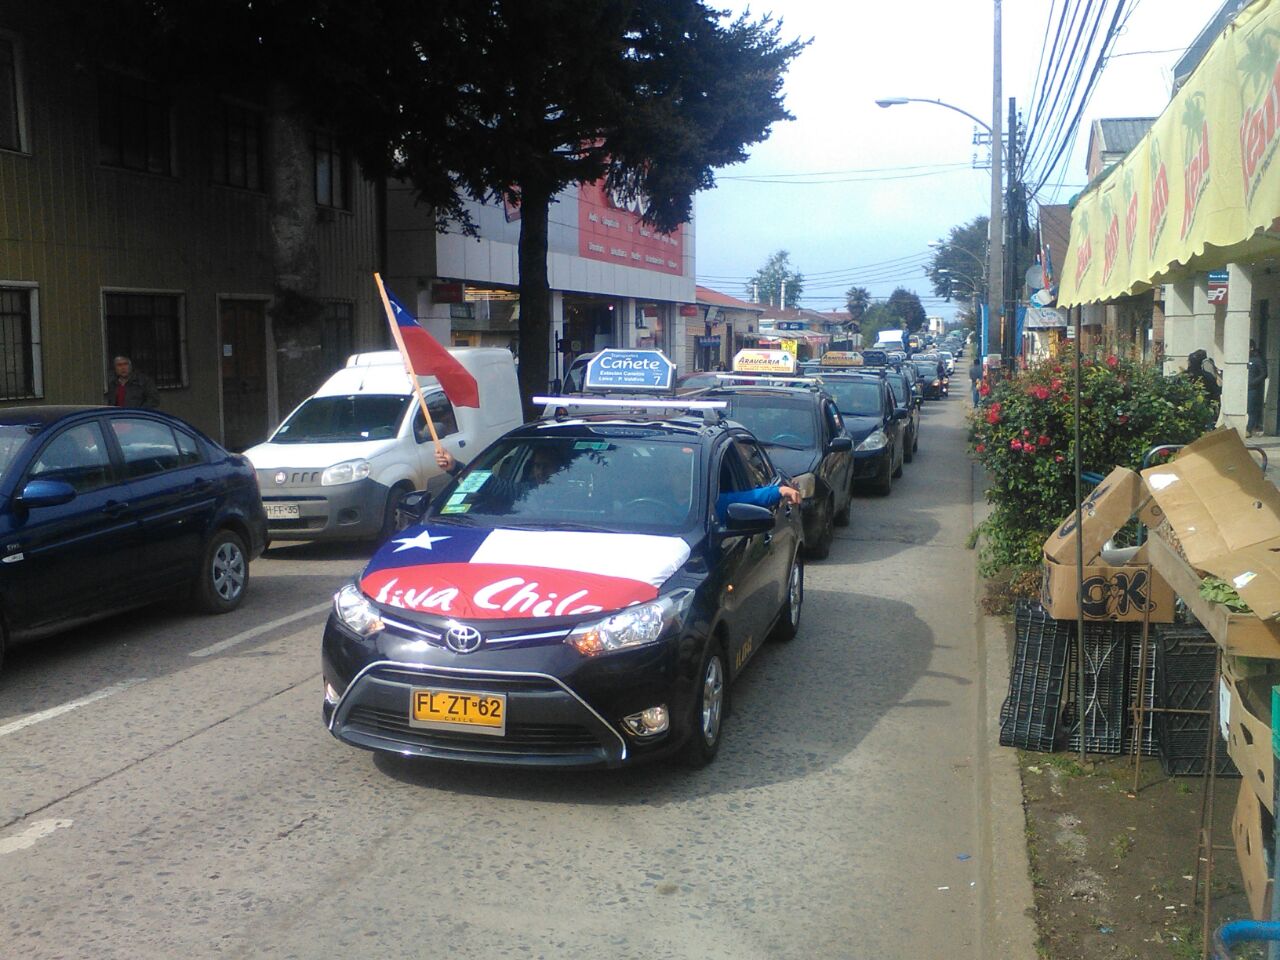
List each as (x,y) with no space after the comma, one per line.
(1248,722)
(1110,592)
(1226,515)
(1253,850)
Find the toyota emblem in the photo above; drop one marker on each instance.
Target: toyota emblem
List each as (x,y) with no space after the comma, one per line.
(281,476)
(462,639)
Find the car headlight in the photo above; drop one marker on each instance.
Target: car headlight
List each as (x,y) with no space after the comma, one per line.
(636,626)
(356,612)
(875,441)
(348,471)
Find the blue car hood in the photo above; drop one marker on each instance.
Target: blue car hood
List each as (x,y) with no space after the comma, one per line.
(859,428)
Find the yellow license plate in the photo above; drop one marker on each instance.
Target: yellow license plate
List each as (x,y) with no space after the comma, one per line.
(480,712)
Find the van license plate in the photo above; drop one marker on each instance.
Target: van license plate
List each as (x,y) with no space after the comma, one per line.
(282,511)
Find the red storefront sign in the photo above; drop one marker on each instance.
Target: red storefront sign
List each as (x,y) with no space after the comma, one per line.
(613,234)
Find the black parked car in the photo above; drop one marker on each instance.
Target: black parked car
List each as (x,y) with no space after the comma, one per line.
(802,429)
(933,377)
(104,509)
(907,407)
(872,422)
(581,595)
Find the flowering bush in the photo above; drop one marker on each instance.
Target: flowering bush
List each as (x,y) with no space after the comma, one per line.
(1022,432)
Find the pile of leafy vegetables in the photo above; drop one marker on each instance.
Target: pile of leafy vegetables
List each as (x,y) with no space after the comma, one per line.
(1219,591)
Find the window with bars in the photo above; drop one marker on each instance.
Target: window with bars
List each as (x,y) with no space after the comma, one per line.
(236,145)
(148,329)
(20,371)
(331,172)
(134,130)
(10,122)
(339,333)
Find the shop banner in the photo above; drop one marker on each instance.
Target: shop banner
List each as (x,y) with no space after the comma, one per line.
(1200,188)
(610,232)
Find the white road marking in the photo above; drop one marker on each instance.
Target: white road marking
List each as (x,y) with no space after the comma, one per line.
(23,722)
(31,836)
(259,630)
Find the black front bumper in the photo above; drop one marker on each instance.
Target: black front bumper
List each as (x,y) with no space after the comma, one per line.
(563,710)
(869,464)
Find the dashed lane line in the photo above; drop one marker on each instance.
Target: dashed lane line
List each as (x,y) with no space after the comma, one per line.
(32,718)
(259,630)
(31,836)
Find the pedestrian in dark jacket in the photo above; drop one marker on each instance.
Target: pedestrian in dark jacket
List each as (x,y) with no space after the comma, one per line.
(1208,382)
(1257,386)
(975,377)
(130,388)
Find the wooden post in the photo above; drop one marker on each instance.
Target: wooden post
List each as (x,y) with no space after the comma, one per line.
(408,368)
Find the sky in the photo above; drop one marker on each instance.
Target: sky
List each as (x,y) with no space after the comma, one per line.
(882,183)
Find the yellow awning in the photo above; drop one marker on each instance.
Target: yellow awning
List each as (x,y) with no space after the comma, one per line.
(1202,188)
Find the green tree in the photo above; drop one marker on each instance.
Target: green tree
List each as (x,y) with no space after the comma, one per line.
(958,267)
(857,300)
(906,306)
(499,98)
(777,282)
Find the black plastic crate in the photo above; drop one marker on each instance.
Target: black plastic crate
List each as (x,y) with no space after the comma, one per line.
(1029,715)
(1187,678)
(1105,647)
(1144,687)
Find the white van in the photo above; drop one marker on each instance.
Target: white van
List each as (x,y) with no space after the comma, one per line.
(341,462)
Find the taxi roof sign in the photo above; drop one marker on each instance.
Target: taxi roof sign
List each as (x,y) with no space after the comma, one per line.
(764,361)
(629,370)
(841,358)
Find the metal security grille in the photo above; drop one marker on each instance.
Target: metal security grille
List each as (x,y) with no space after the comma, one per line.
(339,333)
(133,124)
(19,346)
(147,328)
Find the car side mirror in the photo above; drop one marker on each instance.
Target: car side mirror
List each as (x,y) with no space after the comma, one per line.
(46,493)
(840,445)
(747,519)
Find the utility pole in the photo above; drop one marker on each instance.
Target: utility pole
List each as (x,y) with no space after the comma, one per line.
(1013,220)
(995,244)
(782,295)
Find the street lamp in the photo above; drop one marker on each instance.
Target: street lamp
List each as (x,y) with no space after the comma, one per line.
(995,246)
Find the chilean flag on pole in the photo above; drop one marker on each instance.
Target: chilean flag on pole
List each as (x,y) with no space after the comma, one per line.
(427,358)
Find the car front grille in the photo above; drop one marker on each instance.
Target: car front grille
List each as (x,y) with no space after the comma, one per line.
(546,738)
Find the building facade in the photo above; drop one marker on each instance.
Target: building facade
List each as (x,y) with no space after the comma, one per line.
(137,219)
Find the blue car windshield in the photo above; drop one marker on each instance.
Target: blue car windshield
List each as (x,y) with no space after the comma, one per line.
(598,480)
(344,419)
(856,398)
(774,421)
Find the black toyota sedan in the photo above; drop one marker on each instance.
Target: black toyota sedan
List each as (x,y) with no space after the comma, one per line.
(802,429)
(104,509)
(582,594)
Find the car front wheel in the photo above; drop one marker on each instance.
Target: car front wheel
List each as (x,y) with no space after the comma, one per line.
(224,574)
(709,708)
(789,616)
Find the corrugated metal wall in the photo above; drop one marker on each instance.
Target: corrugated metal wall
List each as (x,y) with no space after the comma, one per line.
(75,228)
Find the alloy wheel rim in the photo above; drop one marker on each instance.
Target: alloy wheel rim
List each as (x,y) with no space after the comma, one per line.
(712,699)
(228,571)
(797,594)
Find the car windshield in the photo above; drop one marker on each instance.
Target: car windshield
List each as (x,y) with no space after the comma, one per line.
(774,421)
(899,388)
(344,419)
(928,370)
(605,478)
(12,440)
(856,398)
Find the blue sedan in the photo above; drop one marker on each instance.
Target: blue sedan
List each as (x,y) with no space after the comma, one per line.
(105,509)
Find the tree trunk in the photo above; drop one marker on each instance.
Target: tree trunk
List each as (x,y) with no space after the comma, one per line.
(295,311)
(535,295)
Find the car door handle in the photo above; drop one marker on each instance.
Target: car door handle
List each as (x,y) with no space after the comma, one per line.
(200,482)
(768,538)
(113,508)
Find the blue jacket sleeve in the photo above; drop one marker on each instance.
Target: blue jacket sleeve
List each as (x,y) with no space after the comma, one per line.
(760,496)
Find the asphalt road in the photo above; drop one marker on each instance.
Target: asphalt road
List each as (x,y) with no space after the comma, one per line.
(167,788)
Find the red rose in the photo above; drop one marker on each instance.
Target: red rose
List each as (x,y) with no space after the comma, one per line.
(1026,432)
(993,414)
(1113,361)
(1039,392)
(983,390)
(1056,385)
(980,448)
(1015,444)
(1059,458)
(1044,440)
(1123,418)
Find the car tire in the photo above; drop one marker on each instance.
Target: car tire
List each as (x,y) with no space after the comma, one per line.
(842,518)
(820,549)
(710,706)
(883,483)
(394,496)
(897,474)
(909,449)
(224,573)
(789,616)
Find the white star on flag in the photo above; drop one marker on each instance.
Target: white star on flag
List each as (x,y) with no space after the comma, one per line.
(424,540)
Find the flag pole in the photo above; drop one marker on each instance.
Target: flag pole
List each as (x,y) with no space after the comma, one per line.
(404,355)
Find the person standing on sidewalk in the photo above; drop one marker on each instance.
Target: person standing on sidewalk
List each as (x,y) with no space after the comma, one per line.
(1257,387)
(975,377)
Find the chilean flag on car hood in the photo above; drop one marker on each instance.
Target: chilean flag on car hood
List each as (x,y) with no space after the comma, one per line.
(477,574)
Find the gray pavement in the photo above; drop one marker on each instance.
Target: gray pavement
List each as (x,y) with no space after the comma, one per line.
(167,789)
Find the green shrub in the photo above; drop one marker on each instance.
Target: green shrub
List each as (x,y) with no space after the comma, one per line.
(1022,430)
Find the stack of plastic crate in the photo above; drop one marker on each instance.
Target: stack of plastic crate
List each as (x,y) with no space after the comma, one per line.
(1029,715)
(1105,649)
(1144,687)
(1186,679)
